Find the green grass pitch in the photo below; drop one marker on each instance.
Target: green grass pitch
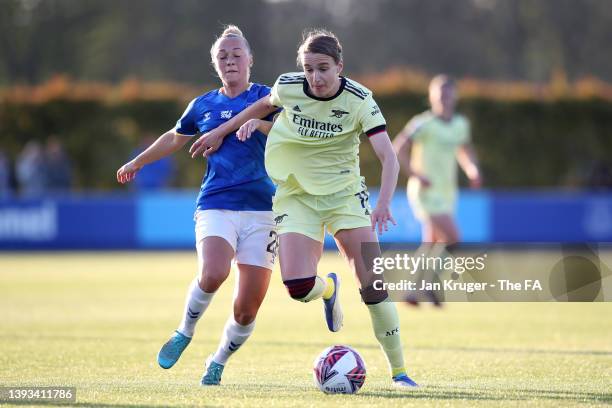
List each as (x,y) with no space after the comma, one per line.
(96,321)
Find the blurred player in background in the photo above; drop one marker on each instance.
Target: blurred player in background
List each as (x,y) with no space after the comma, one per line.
(428,148)
(234,208)
(312,156)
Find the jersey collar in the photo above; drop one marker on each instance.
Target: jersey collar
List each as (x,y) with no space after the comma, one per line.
(220,92)
(310,95)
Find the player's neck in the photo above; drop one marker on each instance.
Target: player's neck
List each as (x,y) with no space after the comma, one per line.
(445,115)
(234,89)
(334,89)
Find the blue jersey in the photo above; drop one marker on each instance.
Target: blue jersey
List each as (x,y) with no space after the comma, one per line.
(235,178)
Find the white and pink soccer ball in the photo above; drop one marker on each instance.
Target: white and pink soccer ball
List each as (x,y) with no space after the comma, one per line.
(339,370)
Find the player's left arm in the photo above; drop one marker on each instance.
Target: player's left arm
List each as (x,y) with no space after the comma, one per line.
(210,142)
(263,125)
(390,169)
(466,157)
(251,126)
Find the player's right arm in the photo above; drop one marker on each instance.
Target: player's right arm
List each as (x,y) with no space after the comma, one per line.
(165,145)
(402,144)
(210,142)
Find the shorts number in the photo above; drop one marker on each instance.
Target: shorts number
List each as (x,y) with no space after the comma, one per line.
(364,197)
(273,245)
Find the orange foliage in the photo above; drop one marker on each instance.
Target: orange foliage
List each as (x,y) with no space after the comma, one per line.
(399,80)
(61,87)
(393,81)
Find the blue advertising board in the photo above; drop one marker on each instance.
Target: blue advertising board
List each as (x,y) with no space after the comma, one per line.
(103,222)
(164,220)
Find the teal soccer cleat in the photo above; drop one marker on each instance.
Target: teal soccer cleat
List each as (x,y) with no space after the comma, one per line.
(172,350)
(212,376)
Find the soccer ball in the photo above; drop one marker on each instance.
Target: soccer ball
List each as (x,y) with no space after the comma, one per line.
(339,370)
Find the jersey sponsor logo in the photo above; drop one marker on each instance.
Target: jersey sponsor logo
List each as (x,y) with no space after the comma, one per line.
(337,113)
(314,128)
(226,114)
(297,108)
(375,111)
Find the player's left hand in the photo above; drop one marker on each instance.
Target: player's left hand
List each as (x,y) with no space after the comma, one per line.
(380,216)
(247,129)
(206,145)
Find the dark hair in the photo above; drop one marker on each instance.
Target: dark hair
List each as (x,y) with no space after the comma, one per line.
(320,41)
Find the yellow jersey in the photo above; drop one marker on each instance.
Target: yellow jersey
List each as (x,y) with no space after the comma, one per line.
(434,149)
(313,146)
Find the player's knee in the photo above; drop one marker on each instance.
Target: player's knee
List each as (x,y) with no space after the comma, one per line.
(300,288)
(244,317)
(371,296)
(211,280)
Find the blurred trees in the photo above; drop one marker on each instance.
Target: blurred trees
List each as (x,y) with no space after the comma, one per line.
(526,135)
(160,40)
(520,143)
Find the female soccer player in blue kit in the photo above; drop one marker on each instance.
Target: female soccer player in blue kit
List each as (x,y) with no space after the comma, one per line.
(234,208)
(312,156)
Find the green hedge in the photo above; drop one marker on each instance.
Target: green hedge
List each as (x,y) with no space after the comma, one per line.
(520,144)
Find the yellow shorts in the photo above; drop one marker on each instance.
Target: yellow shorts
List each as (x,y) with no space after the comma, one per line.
(426,202)
(309,214)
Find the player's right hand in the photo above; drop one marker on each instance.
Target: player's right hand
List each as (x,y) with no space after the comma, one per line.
(206,144)
(127,172)
(247,129)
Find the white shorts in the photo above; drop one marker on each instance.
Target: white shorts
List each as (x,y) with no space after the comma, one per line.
(252,234)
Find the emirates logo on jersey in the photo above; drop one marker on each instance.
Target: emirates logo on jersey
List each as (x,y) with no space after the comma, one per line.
(226,114)
(313,128)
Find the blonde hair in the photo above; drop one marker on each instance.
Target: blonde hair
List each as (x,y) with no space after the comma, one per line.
(441,80)
(320,41)
(229,31)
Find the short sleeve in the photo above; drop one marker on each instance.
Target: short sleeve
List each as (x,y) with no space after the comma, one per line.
(275,98)
(186,125)
(414,128)
(371,118)
(267,91)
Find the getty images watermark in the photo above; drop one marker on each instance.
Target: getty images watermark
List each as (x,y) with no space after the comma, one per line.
(500,272)
(456,265)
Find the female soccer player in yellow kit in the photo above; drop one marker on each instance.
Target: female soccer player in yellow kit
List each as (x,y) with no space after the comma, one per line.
(428,148)
(312,157)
